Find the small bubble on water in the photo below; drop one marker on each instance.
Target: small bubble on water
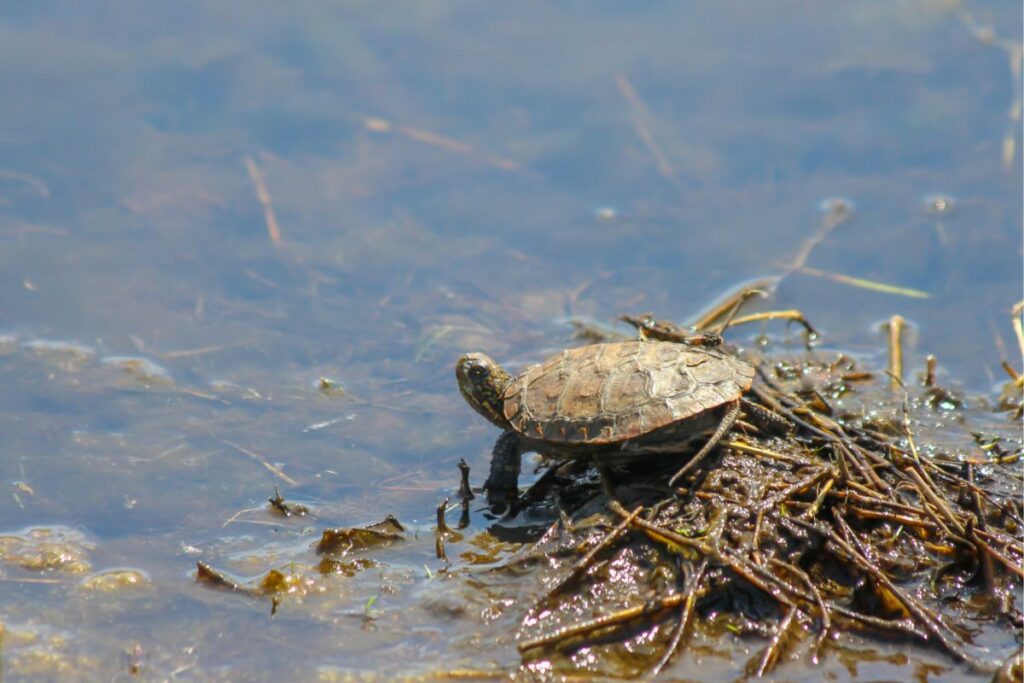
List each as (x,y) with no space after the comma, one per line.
(939,204)
(606,213)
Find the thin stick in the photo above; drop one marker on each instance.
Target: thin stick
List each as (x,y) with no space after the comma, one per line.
(792,315)
(684,619)
(755,541)
(263,461)
(1009,543)
(905,626)
(895,327)
(826,621)
(892,517)
(651,528)
(729,302)
(234,518)
(263,195)
(639,115)
(187,353)
(771,653)
(1017,378)
(869,475)
(925,483)
(839,212)
(795,488)
(753,575)
(1007,562)
(933,497)
(614,619)
(862,283)
(777,406)
(433,139)
(812,511)
(740,300)
(929,375)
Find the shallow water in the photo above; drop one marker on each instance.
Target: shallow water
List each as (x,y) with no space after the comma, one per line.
(204,212)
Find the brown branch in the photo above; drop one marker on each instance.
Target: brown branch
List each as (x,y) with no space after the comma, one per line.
(774,649)
(614,619)
(826,621)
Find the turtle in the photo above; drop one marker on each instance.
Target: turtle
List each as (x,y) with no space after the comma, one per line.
(611,402)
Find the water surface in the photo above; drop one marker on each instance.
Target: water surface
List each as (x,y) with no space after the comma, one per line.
(204,211)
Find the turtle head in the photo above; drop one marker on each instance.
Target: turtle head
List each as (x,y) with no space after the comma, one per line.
(483,383)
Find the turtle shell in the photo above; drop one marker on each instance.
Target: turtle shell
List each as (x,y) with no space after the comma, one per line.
(607,393)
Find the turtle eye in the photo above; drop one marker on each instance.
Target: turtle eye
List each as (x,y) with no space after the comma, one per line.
(477,372)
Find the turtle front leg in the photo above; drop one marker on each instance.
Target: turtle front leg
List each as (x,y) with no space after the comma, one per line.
(502,485)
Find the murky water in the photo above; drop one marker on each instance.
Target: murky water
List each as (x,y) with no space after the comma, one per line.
(241,248)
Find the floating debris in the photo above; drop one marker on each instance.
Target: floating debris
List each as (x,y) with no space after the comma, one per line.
(346,567)
(211,578)
(273,583)
(278,504)
(330,387)
(342,541)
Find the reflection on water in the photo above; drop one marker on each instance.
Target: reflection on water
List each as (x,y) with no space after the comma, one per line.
(203,212)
